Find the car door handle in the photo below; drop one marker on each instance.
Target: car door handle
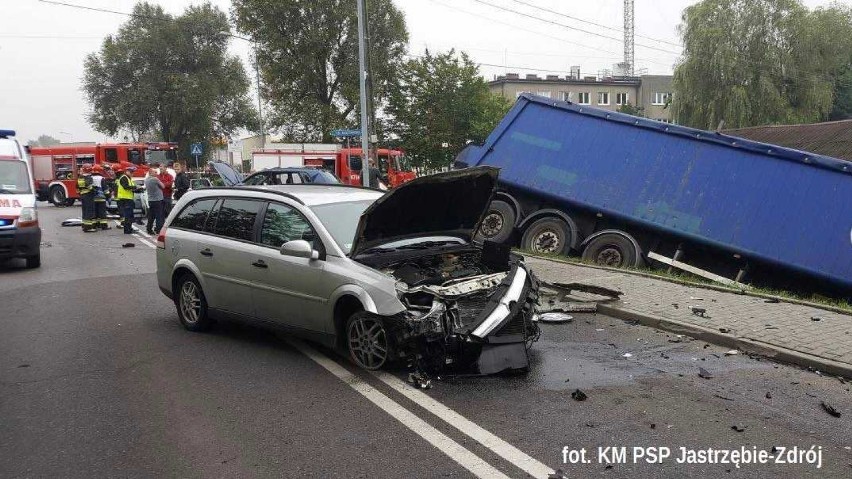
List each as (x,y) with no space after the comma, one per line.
(206,252)
(260,264)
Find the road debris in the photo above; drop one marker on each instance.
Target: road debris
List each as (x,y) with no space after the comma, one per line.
(558,474)
(578,395)
(555,318)
(420,380)
(724,330)
(128,245)
(73,222)
(695,298)
(732,352)
(698,311)
(772,300)
(830,409)
(739,427)
(768,395)
(723,397)
(558,297)
(816,318)
(627,355)
(704,374)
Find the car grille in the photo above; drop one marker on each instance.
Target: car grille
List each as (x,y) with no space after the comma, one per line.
(470,308)
(516,325)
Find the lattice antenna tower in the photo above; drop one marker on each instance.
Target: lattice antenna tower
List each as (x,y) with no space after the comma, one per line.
(628,37)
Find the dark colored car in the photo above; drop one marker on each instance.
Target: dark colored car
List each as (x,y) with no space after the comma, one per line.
(275,176)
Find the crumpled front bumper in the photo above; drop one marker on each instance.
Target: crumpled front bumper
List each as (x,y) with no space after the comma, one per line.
(474,335)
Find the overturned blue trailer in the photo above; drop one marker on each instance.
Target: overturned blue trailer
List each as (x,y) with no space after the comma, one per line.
(622,190)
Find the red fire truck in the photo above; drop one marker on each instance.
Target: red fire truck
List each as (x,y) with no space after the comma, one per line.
(55,167)
(344,162)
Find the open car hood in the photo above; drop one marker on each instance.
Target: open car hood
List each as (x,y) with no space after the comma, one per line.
(443,204)
(229,175)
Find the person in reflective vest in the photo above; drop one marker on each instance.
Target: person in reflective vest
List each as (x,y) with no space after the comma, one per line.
(125,188)
(99,184)
(86,190)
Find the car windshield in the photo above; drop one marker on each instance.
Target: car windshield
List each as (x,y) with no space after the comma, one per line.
(14,178)
(341,220)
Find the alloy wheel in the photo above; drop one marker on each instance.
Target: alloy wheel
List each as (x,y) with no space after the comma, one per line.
(368,342)
(190,302)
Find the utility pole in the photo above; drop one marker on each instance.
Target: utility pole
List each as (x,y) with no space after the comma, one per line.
(365,92)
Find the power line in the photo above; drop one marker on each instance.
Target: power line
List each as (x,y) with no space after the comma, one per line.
(94,9)
(570,42)
(570,27)
(619,30)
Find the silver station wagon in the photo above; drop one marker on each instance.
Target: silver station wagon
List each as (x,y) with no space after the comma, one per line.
(383,277)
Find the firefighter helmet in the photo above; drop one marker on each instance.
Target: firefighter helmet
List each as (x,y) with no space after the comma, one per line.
(98,169)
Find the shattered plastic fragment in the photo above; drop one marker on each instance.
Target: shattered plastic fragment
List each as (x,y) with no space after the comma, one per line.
(627,355)
(738,427)
(732,352)
(555,318)
(830,409)
(578,395)
(704,374)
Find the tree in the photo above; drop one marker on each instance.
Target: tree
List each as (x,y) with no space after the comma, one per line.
(308,58)
(169,77)
(44,140)
(752,62)
(439,105)
(632,110)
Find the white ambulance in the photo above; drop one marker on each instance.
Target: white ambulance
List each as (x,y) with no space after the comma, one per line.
(20,234)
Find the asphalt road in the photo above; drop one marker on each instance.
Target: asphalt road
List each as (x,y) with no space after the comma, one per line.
(98,378)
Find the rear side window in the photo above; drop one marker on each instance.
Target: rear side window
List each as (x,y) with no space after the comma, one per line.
(236,218)
(194,216)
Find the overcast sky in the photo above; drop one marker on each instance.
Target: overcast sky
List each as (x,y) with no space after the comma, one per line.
(42,46)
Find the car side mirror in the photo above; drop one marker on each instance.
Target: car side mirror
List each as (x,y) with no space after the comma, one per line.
(299,249)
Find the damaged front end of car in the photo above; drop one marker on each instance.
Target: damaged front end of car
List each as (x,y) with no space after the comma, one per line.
(469,306)
(469,310)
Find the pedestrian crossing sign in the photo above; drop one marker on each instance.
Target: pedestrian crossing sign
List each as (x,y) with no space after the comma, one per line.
(195,149)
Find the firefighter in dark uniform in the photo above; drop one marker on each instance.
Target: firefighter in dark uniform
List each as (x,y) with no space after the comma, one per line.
(125,188)
(86,190)
(99,183)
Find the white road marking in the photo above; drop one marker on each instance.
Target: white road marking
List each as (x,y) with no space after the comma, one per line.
(454,450)
(145,242)
(500,447)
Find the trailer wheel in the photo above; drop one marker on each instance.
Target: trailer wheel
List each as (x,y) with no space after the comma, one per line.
(612,249)
(498,222)
(548,235)
(57,196)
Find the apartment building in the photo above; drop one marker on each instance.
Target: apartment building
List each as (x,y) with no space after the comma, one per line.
(648,92)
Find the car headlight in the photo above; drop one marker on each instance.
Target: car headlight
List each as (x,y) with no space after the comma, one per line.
(28,217)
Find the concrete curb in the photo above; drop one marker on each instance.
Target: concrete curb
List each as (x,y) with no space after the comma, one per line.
(760,348)
(714,287)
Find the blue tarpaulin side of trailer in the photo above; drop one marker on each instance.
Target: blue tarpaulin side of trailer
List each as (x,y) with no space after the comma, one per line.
(786,206)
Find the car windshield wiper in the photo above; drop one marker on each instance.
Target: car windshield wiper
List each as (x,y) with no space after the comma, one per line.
(426,244)
(378,250)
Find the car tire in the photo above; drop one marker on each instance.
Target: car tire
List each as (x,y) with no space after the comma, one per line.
(191,304)
(548,235)
(499,222)
(369,341)
(613,250)
(33,261)
(57,197)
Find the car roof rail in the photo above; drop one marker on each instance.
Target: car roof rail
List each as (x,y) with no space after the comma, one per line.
(258,190)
